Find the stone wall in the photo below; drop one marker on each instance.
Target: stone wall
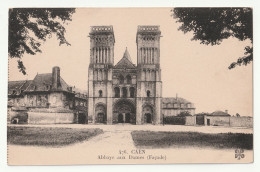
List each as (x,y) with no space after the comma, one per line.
(50,118)
(190,120)
(241,122)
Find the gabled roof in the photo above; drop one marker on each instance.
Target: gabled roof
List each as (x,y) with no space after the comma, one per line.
(174,100)
(219,113)
(125,62)
(42,81)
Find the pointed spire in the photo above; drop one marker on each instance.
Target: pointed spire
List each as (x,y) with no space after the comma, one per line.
(127,55)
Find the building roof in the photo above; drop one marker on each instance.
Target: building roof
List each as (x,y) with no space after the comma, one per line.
(219,113)
(174,100)
(125,62)
(16,87)
(41,82)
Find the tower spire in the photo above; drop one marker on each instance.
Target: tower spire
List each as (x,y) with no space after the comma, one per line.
(127,55)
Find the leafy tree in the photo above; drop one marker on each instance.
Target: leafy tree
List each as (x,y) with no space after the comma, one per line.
(212,25)
(184,113)
(28,27)
(202,114)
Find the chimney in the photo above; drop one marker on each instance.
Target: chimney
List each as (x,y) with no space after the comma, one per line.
(56,77)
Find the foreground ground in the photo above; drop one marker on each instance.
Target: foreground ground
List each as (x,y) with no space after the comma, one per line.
(116,143)
(159,139)
(49,136)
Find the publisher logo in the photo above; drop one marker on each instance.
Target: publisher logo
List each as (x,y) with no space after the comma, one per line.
(239,154)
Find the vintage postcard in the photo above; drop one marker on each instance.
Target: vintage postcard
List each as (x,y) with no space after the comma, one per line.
(130,86)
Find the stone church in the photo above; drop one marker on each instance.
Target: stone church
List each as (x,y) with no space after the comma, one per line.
(125,92)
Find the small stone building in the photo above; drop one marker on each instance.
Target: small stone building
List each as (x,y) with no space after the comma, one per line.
(217,118)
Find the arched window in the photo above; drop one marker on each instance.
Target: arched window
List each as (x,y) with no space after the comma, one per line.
(128,79)
(100,93)
(121,79)
(117,92)
(124,92)
(132,92)
(148,93)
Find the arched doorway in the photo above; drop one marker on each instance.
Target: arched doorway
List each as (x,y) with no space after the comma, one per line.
(148,114)
(100,112)
(124,111)
(100,118)
(120,118)
(127,118)
(148,118)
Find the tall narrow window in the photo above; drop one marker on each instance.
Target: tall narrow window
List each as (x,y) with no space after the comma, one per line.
(101,55)
(148,93)
(117,92)
(96,55)
(100,93)
(121,79)
(128,79)
(108,60)
(132,92)
(124,92)
(144,55)
(105,55)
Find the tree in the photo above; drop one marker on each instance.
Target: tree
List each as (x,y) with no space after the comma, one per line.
(212,25)
(184,113)
(29,27)
(202,114)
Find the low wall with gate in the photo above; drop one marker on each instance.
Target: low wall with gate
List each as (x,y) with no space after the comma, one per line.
(229,121)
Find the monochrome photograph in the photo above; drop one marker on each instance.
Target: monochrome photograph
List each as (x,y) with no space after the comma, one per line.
(130,85)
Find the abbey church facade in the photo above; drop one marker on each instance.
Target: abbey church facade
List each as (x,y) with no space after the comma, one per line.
(125,92)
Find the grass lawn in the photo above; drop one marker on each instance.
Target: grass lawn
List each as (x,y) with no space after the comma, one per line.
(48,136)
(150,139)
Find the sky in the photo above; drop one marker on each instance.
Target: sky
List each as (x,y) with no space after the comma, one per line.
(196,72)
